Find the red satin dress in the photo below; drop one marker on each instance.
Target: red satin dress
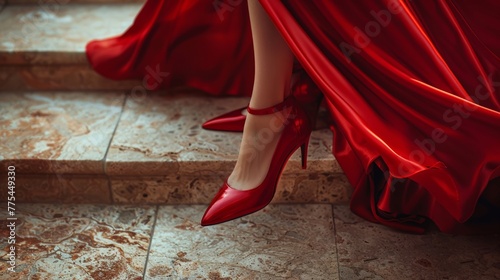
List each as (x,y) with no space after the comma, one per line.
(413,88)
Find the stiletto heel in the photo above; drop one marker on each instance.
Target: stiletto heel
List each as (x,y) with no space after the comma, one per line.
(230,203)
(303,153)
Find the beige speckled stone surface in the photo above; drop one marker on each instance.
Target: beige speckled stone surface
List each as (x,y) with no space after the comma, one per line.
(57,132)
(58,77)
(372,251)
(58,188)
(44,46)
(193,188)
(78,242)
(163,132)
(63,29)
(280,242)
(164,190)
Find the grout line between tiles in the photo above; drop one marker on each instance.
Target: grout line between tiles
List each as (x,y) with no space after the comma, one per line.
(104,160)
(335,236)
(150,241)
(113,135)
(110,188)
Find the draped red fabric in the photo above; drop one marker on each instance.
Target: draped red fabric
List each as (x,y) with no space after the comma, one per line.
(413,88)
(182,43)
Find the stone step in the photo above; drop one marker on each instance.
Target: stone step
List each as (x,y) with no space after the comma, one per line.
(113,147)
(43,47)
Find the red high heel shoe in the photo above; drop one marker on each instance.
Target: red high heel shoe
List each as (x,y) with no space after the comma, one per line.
(229,203)
(303,88)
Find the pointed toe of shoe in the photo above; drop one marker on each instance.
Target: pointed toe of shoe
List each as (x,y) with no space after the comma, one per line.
(209,219)
(232,121)
(213,217)
(229,204)
(223,125)
(205,221)
(218,212)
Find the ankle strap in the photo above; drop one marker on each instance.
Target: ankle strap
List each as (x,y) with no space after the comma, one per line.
(273,109)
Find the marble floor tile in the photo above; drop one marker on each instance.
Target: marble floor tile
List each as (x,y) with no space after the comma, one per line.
(60,28)
(372,251)
(78,242)
(163,132)
(279,242)
(57,132)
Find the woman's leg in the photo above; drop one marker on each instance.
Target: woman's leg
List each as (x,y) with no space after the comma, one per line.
(273,70)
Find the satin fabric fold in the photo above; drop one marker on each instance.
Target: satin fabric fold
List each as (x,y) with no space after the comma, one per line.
(182,43)
(413,88)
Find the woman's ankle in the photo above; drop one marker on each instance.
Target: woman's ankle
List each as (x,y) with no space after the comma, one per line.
(260,138)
